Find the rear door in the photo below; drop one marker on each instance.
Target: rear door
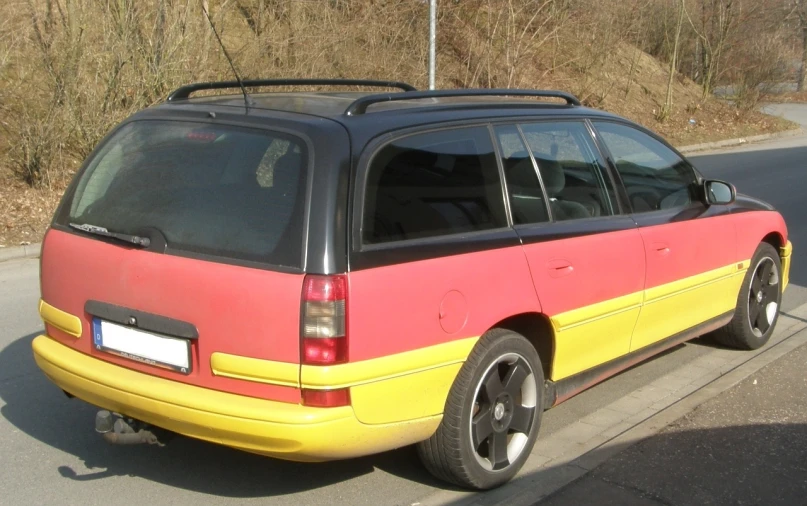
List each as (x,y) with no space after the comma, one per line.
(433,261)
(692,272)
(223,210)
(586,257)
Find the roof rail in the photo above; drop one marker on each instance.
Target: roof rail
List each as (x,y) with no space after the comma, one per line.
(360,106)
(186,91)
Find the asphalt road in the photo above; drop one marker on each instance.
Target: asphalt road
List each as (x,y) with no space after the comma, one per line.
(49,453)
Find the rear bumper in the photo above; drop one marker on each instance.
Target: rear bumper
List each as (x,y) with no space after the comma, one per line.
(786,253)
(277,429)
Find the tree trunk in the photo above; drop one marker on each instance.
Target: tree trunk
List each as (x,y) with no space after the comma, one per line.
(667,108)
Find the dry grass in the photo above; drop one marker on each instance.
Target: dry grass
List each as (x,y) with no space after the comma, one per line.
(25,212)
(71,69)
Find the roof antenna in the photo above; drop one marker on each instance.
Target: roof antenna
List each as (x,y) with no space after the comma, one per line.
(227,55)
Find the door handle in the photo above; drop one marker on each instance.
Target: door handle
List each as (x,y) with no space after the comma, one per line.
(560,267)
(661,248)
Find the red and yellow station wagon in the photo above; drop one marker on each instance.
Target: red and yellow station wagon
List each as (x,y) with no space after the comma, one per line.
(317,276)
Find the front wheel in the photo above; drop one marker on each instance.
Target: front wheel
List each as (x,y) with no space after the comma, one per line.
(492,414)
(758,303)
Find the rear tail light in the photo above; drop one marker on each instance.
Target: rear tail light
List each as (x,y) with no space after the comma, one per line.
(324,333)
(324,320)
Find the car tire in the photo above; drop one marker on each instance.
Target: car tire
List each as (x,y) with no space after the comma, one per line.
(492,414)
(758,303)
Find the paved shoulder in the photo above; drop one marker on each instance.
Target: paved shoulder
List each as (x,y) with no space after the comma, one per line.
(745,446)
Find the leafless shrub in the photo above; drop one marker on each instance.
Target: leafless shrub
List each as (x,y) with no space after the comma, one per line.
(37,148)
(504,38)
(764,65)
(71,69)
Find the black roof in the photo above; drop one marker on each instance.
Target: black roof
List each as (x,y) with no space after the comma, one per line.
(335,104)
(386,115)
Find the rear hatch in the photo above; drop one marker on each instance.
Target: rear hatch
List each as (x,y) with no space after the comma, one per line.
(180,240)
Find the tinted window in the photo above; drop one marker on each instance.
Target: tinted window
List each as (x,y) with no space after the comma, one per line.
(433,184)
(218,190)
(527,200)
(570,170)
(654,176)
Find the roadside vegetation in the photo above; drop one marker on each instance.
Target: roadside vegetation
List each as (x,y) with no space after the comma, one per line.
(72,69)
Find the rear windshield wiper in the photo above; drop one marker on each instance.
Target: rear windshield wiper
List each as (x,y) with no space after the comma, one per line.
(135,240)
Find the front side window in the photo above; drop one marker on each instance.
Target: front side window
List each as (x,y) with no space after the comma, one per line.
(574,178)
(433,184)
(654,176)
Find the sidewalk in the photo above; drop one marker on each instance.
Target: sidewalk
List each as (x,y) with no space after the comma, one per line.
(748,445)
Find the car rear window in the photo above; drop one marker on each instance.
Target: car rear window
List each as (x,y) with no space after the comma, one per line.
(215,190)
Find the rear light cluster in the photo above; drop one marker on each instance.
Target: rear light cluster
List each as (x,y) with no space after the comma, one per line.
(324,333)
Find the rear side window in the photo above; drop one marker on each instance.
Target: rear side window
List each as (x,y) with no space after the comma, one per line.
(216,190)
(433,184)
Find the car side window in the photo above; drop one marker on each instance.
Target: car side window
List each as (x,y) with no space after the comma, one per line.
(527,200)
(654,176)
(571,171)
(433,184)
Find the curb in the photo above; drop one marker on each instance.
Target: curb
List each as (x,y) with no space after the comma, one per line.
(740,141)
(17,252)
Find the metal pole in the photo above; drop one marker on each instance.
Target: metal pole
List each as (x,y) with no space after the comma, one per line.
(432,41)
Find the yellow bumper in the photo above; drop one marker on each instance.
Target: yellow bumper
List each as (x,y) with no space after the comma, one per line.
(786,253)
(277,429)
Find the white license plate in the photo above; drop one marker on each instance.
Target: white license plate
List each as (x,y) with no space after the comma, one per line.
(142,346)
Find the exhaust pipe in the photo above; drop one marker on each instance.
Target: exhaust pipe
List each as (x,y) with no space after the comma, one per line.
(117,430)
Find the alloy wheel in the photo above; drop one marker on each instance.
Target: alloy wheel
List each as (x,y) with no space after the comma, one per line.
(763,297)
(504,412)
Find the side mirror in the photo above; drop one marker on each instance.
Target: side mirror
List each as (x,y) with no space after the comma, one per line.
(719,192)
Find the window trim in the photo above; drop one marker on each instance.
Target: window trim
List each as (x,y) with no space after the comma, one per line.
(570,229)
(612,165)
(508,207)
(359,192)
(537,171)
(500,163)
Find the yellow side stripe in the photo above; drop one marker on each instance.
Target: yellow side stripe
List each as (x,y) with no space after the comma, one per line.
(687,284)
(391,366)
(612,307)
(254,369)
(65,322)
(598,311)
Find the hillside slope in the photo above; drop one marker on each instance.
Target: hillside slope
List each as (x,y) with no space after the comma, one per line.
(69,71)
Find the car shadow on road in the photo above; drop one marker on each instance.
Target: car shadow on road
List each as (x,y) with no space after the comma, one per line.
(39,409)
(756,463)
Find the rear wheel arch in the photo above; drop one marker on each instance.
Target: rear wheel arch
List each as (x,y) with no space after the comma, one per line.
(537,329)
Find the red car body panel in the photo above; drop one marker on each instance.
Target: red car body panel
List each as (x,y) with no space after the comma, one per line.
(408,306)
(237,310)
